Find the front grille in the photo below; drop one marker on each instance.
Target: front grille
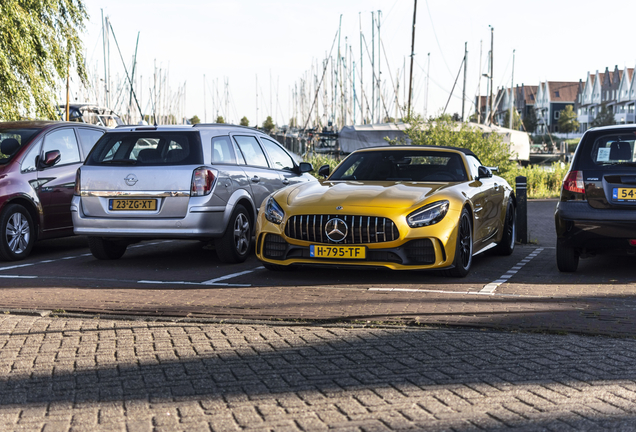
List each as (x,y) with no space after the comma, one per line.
(361,229)
(420,251)
(275,247)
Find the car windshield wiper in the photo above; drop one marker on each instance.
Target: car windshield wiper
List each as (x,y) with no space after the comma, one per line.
(119,162)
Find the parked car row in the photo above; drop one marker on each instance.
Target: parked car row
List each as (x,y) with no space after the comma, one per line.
(397,207)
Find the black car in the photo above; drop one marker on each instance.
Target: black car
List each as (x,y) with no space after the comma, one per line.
(597,209)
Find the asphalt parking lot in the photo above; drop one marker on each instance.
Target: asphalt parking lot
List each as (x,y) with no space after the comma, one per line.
(185,279)
(167,338)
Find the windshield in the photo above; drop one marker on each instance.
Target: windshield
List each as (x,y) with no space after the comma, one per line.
(11,140)
(614,149)
(402,165)
(147,148)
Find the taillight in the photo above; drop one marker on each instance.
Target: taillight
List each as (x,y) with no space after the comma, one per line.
(574,182)
(632,242)
(202,181)
(77,189)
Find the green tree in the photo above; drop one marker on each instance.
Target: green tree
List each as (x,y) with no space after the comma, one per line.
(516,124)
(605,117)
(530,122)
(568,120)
(245,121)
(39,42)
(220,119)
(268,124)
(444,131)
(195,120)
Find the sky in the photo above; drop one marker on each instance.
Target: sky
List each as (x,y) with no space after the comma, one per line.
(276,43)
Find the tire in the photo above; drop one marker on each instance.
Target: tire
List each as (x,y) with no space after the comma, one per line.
(17,233)
(567,258)
(507,244)
(236,243)
(464,248)
(103,249)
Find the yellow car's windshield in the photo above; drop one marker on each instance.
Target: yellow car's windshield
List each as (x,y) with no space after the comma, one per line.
(402,165)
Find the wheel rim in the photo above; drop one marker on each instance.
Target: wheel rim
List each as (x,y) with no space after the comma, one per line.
(241,233)
(465,242)
(18,233)
(511,227)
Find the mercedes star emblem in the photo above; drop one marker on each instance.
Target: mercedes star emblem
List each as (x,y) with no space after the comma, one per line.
(336,230)
(131,179)
(339,208)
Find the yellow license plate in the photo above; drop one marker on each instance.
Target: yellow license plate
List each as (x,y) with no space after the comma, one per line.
(132,204)
(344,252)
(624,194)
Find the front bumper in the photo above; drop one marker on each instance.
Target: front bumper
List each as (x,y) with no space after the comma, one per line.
(417,249)
(580,226)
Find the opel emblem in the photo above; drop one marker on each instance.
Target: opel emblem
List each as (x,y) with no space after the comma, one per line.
(336,230)
(131,179)
(339,208)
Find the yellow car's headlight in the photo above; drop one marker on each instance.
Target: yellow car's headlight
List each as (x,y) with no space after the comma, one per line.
(273,212)
(428,215)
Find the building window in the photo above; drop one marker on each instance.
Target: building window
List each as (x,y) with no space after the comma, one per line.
(557,114)
(556,94)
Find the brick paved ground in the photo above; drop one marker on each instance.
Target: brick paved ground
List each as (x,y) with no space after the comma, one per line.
(95,374)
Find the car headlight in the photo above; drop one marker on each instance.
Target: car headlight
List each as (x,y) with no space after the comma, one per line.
(273,212)
(428,215)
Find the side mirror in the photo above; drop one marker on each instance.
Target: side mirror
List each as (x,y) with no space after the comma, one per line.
(51,158)
(483,172)
(305,167)
(324,171)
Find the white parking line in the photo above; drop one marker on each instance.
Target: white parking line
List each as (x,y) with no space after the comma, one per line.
(492,286)
(419,290)
(230,276)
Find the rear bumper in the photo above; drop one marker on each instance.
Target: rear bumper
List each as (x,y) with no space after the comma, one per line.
(196,224)
(580,226)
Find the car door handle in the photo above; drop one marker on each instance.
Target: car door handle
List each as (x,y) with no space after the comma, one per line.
(285,181)
(255,179)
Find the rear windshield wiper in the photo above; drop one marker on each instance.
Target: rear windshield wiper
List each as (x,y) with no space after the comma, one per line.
(119,162)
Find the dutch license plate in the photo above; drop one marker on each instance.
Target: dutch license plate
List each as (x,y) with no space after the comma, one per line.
(624,194)
(132,204)
(345,252)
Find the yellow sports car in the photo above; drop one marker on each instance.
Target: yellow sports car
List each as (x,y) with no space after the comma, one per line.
(399,207)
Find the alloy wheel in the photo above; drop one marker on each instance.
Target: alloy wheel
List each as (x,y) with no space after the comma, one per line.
(18,233)
(465,242)
(241,233)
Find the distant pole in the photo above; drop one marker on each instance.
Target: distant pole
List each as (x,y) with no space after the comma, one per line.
(379,80)
(361,75)
(464,91)
(373,67)
(256,101)
(479,84)
(205,107)
(68,89)
(428,73)
(492,102)
(408,111)
(512,90)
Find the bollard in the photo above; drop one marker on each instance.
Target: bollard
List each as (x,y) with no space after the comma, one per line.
(522,209)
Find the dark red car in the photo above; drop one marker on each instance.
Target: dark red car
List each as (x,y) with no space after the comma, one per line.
(38,161)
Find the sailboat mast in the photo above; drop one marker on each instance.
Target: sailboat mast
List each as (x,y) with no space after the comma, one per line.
(408,111)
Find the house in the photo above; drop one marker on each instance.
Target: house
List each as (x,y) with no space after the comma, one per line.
(613,90)
(524,102)
(552,98)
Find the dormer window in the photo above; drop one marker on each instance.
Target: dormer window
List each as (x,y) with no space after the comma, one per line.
(556,94)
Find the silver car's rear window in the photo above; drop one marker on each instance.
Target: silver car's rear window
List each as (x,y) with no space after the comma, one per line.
(147,149)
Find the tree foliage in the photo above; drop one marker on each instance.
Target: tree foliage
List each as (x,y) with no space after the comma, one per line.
(444,131)
(516,124)
(195,120)
(530,121)
(220,119)
(245,121)
(568,120)
(268,124)
(39,41)
(605,117)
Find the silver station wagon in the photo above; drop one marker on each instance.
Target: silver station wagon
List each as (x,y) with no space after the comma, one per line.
(201,182)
